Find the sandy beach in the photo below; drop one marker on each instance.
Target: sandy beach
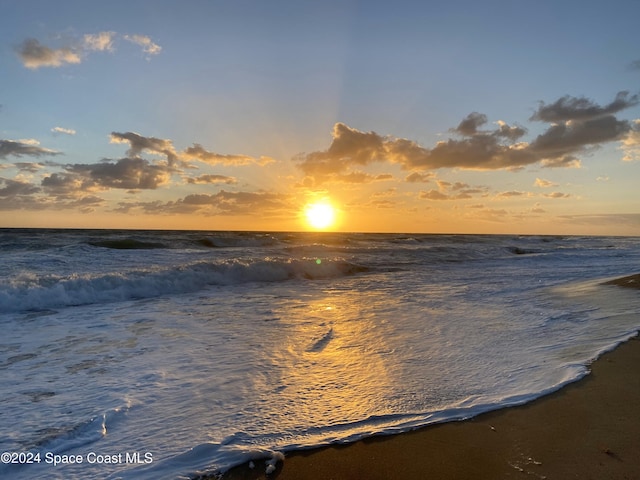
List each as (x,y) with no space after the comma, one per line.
(587,430)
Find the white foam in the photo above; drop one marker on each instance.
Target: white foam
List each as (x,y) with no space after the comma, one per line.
(38,292)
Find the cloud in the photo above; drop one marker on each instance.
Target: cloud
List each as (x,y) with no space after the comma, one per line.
(438,195)
(19,148)
(542,183)
(631,143)
(565,161)
(66,131)
(537,210)
(250,203)
(571,137)
(557,195)
(221,203)
(66,184)
(12,188)
(354,177)
(383,177)
(198,152)
(35,55)
(469,125)
(577,124)
(145,42)
(127,173)
(212,179)
(349,147)
(21,195)
(580,108)
(508,132)
(139,144)
(416,177)
(30,167)
(511,193)
(443,185)
(433,195)
(99,42)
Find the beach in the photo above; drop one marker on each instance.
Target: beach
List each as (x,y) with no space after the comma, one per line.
(589,429)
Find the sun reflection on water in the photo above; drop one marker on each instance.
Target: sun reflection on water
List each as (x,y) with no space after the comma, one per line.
(332,360)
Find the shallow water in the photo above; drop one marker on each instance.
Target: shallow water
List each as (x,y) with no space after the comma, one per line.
(200,350)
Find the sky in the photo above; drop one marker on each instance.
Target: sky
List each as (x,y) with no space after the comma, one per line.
(509,116)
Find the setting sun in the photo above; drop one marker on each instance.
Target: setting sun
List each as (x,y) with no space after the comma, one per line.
(320,215)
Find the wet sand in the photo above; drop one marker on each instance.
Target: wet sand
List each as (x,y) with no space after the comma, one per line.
(587,430)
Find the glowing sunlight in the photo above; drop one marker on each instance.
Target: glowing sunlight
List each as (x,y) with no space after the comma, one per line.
(320,215)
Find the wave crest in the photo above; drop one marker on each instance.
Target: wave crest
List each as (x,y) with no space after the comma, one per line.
(31,292)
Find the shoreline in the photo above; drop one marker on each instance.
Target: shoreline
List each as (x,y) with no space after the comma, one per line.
(589,429)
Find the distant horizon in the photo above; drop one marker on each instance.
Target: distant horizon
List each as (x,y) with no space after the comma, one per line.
(425,118)
(316,232)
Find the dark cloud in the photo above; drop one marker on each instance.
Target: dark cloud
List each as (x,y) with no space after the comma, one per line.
(580,108)
(557,195)
(571,137)
(64,183)
(250,203)
(434,195)
(35,55)
(19,148)
(29,167)
(12,188)
(508,132)
(139,144)
(481,151)
(416,177)
(198,152)
(439,195)
(470,124)
(511,193)
(212,179)
(221,203)
(383,177)
(578,124)
(348,147)
(127,173)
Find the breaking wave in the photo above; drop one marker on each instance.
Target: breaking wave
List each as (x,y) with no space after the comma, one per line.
(39,292)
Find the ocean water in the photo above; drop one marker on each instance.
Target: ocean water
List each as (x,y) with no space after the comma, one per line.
(167,354)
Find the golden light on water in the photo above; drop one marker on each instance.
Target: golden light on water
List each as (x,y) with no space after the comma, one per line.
(320,215)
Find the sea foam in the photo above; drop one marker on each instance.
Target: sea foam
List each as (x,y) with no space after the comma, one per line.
(49,291)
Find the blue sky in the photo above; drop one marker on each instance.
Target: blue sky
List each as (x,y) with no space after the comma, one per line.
(488,117)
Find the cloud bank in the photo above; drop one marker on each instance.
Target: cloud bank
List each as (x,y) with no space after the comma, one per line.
(576,124)
(572,127)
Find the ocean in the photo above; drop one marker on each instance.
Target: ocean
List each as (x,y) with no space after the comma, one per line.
(173,354)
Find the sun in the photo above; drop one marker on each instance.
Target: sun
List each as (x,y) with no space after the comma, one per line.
(320,215)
